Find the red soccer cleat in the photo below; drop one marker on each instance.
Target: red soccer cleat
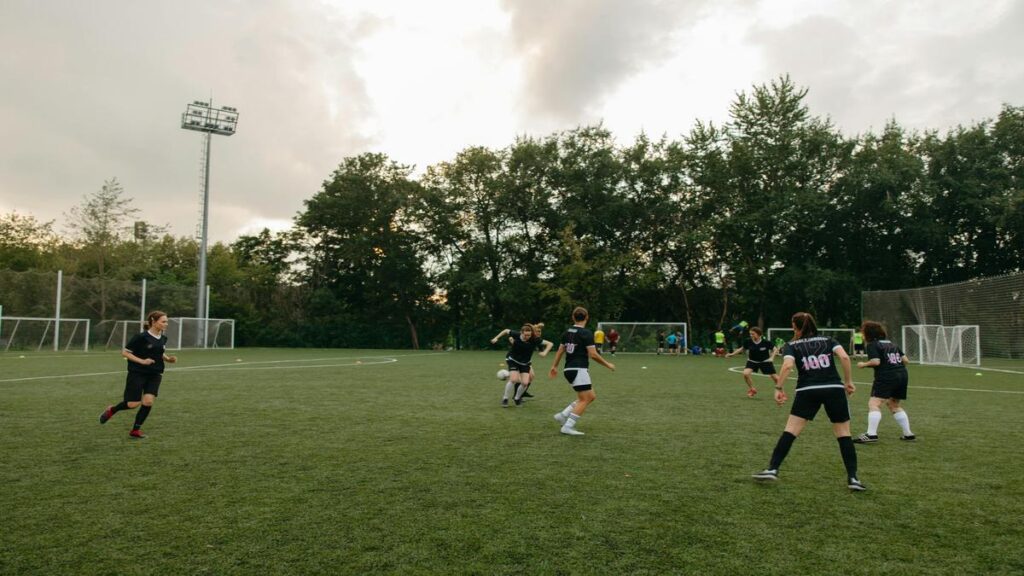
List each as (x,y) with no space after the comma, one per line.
(106,415)
(751,392)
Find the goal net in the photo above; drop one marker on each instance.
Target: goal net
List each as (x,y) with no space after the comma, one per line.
(200,333)
(28,333)
(643,336)
(935,344)
(995,305)
(842,335)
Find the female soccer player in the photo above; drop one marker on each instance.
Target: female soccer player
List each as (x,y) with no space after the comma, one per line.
(146,357)
(760,357)
(890,385)
(519,360)
(817,385)
(578,348)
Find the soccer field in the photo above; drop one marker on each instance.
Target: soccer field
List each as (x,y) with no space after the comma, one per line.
(271,461)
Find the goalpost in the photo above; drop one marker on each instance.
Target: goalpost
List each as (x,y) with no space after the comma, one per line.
(642,337)
(842,335)
(937,344)
(200,333)
(26,333)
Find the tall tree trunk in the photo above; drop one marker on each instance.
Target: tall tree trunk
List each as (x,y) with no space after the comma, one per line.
(412,333)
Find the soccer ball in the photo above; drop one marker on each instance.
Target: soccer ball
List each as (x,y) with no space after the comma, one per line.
(502,374)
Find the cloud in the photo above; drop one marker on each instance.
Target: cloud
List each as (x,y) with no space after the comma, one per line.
(929,65)
(577,52)
(95,90)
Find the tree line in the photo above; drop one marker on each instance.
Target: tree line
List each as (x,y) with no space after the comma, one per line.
(772,212)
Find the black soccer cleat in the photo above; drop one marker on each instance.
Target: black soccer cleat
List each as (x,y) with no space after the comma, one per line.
(855,485)
(908,437)
(519,402)
(527,395)
(106,415)
(866,439)
(504,402)
(767,475)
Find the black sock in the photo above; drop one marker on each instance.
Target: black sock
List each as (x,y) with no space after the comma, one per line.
(141,416)
(849,453)
(781,449)
(122,406)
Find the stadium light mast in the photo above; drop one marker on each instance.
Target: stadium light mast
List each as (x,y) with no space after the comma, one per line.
(203,117)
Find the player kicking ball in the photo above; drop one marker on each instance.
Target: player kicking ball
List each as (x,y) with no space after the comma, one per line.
(578,348)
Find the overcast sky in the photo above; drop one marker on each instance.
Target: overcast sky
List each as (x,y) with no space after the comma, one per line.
(93,90)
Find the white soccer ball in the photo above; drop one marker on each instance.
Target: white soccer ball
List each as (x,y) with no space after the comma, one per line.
(502,374)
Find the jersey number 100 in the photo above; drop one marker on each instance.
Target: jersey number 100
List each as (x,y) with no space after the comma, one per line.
(817,362)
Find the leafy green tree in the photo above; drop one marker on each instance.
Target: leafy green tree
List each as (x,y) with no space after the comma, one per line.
(26,243)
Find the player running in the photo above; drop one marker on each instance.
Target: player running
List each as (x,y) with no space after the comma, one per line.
(760,358)
(146,357)
(578,348)
(890,385)
(817,385)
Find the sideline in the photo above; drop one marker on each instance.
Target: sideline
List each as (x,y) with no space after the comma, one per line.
(239,366)
(739,370)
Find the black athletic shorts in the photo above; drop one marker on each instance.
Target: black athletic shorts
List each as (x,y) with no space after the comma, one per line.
(896,388)
(762,367)
(514,366)
(139,383)
(579,378)
(807,402)
(858,347)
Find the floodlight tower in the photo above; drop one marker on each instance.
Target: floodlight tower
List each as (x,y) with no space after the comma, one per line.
(203,117)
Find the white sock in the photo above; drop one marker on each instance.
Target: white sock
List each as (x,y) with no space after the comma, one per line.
(519,391)
(874,417)
(568,409)
(570,420)
(904,421)
(509,387)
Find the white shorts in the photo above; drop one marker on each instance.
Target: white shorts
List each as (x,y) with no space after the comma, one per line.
(579,378)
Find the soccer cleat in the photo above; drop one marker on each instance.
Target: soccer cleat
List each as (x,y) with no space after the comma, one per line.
(855,486)
(865,439)
(504,402)
(751,392)
(560,418)
(106,415)
(519,401)
(571,431)
(527,395)
(767,474)
(137,434)
(908,437)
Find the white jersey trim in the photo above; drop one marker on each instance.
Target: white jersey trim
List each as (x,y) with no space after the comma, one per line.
(816,386)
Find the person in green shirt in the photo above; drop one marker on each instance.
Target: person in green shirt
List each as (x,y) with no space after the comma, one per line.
(858,343)
(720,343)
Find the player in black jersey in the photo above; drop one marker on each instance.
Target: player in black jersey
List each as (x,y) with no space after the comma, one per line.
(890,385)
(817,385)
(146,357)
(760,357)
(578,348)
(519,360)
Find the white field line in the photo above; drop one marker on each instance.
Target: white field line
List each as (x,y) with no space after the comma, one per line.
(239,366)
(739,370)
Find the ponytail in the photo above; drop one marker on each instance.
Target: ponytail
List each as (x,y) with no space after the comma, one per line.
(803,323)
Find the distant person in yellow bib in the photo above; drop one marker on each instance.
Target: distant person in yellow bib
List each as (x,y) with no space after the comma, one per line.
(720,343)
(599,340)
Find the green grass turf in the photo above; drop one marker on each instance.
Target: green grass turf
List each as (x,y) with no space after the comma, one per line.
(304,462)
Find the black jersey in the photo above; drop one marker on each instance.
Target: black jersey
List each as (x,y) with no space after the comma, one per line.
(576,341)
(891,358)
(522,350)
(144,345)
(758,352)
(815,362)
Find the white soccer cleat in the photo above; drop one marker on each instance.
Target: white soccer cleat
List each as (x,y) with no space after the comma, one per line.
(559,418)
(571,431)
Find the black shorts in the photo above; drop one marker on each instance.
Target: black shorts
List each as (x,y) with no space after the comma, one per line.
(858,347)
(579,378)
(762,367)
(673,346)
(139,383)
(895,388)
(807,402)
(515,366)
